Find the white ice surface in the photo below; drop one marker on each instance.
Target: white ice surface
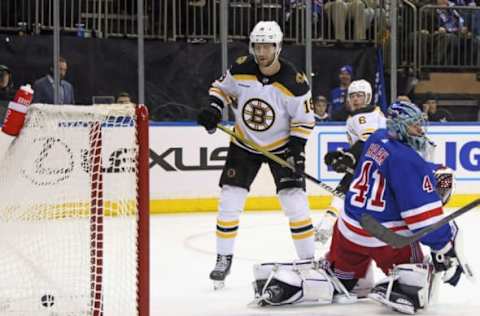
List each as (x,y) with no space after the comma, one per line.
(183,254)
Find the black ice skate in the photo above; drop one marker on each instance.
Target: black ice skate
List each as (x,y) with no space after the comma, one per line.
(221,270)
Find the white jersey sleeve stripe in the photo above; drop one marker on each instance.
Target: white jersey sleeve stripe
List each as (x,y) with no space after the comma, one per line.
(426,222)
(362,240)
(421,209)
(395,225)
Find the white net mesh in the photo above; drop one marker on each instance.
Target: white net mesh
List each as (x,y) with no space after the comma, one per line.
(68,213)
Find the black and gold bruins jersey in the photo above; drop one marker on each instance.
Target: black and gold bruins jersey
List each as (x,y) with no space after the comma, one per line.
(363,123)
(268,110)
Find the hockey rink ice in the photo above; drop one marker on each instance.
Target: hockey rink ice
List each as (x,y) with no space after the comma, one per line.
(183,254)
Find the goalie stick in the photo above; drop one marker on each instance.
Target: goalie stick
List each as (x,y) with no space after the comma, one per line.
(370,224)
(280,161)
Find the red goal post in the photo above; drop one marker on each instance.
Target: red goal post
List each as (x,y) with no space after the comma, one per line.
(74,212)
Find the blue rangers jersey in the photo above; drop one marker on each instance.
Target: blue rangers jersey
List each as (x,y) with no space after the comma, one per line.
(393,183)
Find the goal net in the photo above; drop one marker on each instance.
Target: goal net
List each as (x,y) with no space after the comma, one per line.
(74,213)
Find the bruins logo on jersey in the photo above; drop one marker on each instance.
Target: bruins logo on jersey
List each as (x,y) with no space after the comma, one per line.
(241,60)
(258,115)
(300,78)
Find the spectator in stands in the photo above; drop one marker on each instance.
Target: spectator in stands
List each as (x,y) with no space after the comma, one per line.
(343,113)
(123,98)
(6,89)
(43,87)
(198,3)
(450,26)
(430,107)
(361,12)
(317,9)
(338,95)
(320,105)
(404,98)
(472,17)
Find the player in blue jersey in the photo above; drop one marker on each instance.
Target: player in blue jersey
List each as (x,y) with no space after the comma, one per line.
(395,184)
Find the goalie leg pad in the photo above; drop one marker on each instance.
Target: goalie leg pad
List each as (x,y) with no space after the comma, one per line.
(288,283)
(364,285)
(263,270)
(318,288)
(406,289)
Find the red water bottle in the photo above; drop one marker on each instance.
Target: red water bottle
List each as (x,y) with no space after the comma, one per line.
(17,108)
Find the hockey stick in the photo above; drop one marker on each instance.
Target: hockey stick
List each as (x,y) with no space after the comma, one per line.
(280,161)
(370,224)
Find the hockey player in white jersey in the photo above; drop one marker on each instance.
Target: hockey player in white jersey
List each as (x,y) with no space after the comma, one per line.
(365,119)
(273,107)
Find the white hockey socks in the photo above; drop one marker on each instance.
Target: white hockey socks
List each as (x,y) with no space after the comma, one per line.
(295,205)
(232,201)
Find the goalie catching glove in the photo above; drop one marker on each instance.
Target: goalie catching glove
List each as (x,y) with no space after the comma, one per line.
(17,108)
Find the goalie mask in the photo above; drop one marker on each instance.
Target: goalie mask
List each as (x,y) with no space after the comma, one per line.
(266,32)
(445,183)
(403,115)
(360,86)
